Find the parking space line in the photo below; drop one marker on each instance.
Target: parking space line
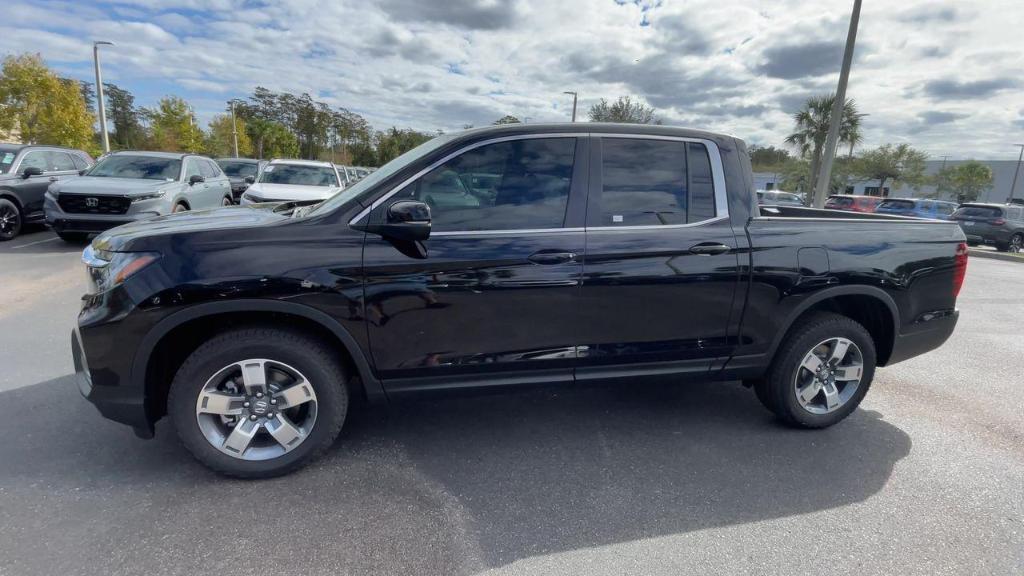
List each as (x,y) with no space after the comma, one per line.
(34,243)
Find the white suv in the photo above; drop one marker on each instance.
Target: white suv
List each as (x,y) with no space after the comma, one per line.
(294,180)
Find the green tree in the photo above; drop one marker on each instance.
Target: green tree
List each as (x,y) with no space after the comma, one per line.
(506,119)
(623,110)
(394,142)
(900,164)
(40,106)
(122,113)
(796,175)
(812,122)
(221,142)
(966,181)
(271,139)
(173,127)
(768,158)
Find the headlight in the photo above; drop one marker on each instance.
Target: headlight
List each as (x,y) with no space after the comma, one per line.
(157,194)
(252,197)
(108,269)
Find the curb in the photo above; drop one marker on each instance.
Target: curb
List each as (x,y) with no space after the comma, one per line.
(995,256)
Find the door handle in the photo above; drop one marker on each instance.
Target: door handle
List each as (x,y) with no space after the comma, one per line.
(552,257)
(709,249)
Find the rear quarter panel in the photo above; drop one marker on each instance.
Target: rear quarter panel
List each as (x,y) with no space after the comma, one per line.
(910,262)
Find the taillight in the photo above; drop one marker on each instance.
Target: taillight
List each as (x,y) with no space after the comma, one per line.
(999,221)
(959,268)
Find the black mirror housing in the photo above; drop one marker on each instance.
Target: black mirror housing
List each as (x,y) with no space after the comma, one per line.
(195,179)
(249,180)
(406,220)
(31,171)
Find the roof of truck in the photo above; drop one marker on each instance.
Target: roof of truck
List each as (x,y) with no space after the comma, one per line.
(594,128)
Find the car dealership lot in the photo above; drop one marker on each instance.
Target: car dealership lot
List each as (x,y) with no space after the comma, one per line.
(924,479)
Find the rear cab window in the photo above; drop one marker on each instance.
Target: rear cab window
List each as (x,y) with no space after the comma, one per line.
(652,182)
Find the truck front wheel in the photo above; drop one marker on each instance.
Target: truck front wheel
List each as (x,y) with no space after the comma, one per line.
(259,402)
(821,372)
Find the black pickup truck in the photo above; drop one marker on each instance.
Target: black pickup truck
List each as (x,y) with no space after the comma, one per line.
(503,256)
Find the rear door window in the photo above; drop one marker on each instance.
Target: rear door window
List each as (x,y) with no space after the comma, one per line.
(654,183)
(60,161)
(208,169)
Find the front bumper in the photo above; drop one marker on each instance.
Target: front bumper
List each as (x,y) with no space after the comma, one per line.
(62,221)
(120,403)
(925,335)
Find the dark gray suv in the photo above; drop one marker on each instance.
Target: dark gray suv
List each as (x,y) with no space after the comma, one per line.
(999,225)
(26,172)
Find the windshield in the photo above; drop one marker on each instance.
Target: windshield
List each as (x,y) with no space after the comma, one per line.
(239,169)
(140,167)
(383,173)
(299,175)
(6,160)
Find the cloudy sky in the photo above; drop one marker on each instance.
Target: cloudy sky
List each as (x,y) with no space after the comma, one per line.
(943,76)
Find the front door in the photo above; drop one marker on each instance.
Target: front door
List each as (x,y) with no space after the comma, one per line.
(492,295)
(661,269)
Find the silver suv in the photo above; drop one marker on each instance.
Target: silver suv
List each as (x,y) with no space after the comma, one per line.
(127,186)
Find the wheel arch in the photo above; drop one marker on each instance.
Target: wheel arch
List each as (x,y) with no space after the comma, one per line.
(9,194)
(872,307)
(172,339)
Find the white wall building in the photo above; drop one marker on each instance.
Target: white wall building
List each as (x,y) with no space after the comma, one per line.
(1002,178)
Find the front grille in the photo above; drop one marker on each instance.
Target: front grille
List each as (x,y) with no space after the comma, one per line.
(85,204)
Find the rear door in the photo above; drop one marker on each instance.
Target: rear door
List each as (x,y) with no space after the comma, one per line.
(661,267)
(492,295)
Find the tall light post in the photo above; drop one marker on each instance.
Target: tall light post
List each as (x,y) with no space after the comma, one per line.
(234,127)
(1013,187)
(99,92)
(573,103)
(825,175)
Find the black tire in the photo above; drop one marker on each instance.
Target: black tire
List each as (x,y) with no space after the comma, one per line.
(10,220)
(310,356)
(73,237)
(179,207)
(227,201)
(1016,243)
(777,391)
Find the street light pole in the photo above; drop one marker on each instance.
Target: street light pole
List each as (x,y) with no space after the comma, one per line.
(1013,187)
(234,127)
(825,175)
(99,92)
(573,103)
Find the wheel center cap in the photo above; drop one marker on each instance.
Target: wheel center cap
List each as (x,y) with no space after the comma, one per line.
(260,406)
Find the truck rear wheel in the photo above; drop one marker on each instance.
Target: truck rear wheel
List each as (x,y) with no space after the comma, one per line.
(821,372)
(259,402)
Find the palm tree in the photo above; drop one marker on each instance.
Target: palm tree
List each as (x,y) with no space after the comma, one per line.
(812,129)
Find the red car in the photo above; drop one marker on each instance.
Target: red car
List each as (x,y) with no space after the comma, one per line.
(852,203)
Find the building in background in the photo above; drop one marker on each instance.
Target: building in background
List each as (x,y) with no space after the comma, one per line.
(1002,178)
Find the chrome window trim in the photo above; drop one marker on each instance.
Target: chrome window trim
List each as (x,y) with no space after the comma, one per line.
(507,232)
(717,177)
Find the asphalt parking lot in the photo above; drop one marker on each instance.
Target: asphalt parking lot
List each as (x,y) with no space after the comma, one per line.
(926,478)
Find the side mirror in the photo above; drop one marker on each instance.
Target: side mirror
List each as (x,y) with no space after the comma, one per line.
(407,220)
(249,179)
(83,171)
(31,171)
(195,179)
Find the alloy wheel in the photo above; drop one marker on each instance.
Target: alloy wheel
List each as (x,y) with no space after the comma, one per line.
(10,221)
(829,375)
(1016,243)
(256,409)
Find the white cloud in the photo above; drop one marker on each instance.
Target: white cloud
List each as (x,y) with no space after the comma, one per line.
(940,77)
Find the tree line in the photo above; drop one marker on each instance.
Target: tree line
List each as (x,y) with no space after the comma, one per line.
(38,106)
